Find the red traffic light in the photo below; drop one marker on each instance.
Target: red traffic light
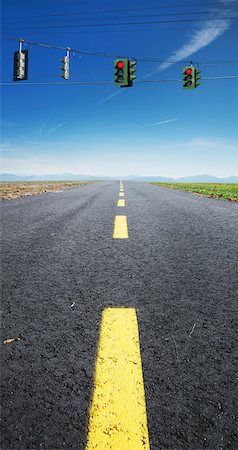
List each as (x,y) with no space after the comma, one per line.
(120,64)
(188,71)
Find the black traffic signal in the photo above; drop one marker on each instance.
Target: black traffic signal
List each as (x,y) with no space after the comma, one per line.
(20,65)
(121,72)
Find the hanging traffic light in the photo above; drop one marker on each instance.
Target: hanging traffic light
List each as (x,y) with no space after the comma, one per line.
(20,65)
(189,77)
(197,78)
(132,70)
(121,73)
(65,67)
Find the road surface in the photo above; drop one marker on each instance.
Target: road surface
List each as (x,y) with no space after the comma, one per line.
(63,265)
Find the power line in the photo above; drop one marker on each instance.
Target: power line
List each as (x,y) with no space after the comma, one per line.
(109,82)
(110,55)
(133,30)
(124,9)
(116,24)
(124,17)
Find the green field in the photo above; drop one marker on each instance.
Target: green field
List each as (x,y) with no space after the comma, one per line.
(217,190)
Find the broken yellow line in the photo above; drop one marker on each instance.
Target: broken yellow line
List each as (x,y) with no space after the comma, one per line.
(121,202)
(120,228)
(121,194)
(118,409)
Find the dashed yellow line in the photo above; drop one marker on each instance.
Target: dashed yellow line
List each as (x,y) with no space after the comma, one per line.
(118,410)
(121,202)
(121,194)
(120,228)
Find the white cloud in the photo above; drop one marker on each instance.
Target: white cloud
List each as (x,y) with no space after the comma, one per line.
(200,39)
(210,30)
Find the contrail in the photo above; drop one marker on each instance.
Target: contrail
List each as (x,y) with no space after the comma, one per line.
(42,128)
(52,130)
(109,97)
(162,121)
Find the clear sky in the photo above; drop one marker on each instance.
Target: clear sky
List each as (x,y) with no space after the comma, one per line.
(148,129)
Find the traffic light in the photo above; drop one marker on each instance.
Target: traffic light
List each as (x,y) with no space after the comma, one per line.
(65,67)
(189,77)
(197,78)
(20,65)
(121,73)
(132,70)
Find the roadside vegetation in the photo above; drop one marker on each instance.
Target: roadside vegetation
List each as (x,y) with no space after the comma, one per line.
(16,189)
(217,190)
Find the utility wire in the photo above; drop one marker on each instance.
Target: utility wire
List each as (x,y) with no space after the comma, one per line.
(128,30)
(120,17)
(122,10)
(117,24)
(109,82)
(110,55)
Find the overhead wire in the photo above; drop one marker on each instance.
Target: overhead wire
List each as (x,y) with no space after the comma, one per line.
(116,24)
(124,9)
(124,17)
(110,55)
(109,82)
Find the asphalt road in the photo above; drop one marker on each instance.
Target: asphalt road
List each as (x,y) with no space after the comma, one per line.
(178,268)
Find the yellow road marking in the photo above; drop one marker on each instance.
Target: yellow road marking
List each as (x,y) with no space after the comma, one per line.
(120,228)
(121,190)
(121,202)
(118,410)
(121,194)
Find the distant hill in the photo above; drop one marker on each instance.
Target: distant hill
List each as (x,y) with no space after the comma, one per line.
(204,178)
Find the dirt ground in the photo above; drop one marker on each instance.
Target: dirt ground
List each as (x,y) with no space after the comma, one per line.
(21,189)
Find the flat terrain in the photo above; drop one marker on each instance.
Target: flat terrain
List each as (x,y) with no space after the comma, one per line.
(217,190)
(61,267)
(22,188)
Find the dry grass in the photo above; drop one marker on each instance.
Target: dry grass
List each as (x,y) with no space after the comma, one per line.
(16,189)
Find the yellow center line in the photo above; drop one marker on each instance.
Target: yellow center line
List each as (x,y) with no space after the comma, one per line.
(118,409)
(120,228)
(121,194)
(121,202)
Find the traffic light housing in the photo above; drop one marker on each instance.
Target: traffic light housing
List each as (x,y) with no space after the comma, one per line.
(197,77)
(121,72)
(132,70)
(189,77)
(20,65)
(65,67)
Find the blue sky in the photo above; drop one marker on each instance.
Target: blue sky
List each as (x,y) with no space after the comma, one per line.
(148,129)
